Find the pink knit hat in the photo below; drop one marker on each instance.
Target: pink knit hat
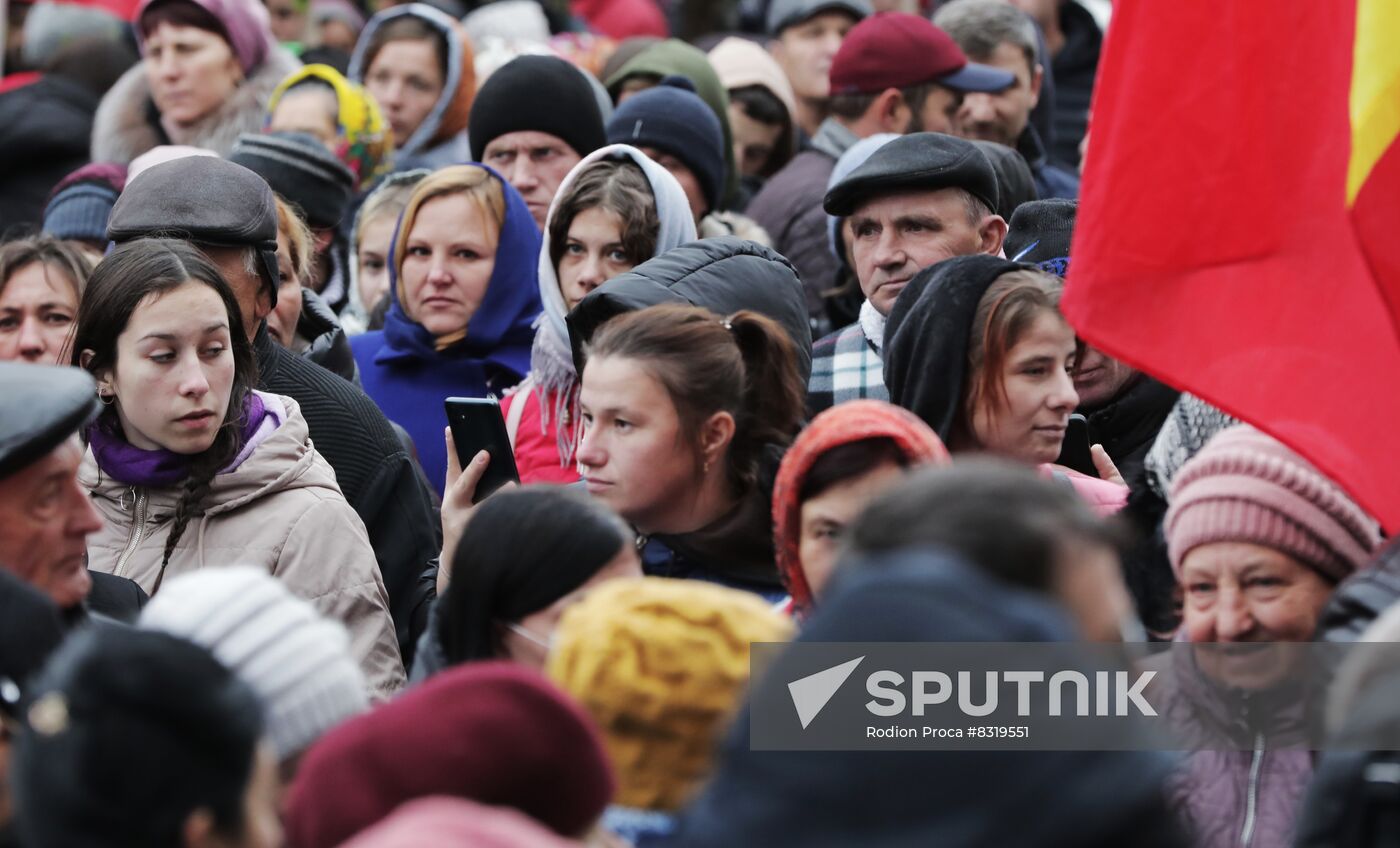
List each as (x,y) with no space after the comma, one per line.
(1245,486)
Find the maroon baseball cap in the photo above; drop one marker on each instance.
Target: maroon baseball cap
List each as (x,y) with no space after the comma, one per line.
(897,50)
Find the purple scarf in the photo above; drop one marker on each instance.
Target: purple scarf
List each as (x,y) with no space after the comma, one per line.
(126,463)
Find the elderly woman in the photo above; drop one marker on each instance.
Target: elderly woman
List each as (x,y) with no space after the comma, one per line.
(1258,539)
(209,68)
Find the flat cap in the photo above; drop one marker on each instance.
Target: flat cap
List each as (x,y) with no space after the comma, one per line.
(40,407)
(915,162)
(785,13)
(205,200)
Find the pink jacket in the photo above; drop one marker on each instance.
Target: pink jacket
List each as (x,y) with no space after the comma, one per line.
(1104,497)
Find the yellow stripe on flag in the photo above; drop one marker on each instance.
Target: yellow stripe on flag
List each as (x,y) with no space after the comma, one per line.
(1375,89)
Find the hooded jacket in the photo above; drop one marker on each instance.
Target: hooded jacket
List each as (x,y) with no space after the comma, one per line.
(853,421)
(408,377)
(279,509)
(741,63)
(127,123)
(927,338)
(675,57)
(893,799)
(724,275)
(547,435)
(441,139)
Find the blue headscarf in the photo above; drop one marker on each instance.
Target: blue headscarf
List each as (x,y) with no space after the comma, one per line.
(501,330)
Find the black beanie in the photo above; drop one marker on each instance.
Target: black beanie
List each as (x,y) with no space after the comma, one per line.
(928,333)
(1039,233)
(536,94)
(302,171)
(672,118)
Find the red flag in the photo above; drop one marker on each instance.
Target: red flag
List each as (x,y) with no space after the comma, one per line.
(1217,244)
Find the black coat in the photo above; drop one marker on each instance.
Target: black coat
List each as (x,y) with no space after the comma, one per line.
(45,129)
(376,475)
(1128,425)
(724,275)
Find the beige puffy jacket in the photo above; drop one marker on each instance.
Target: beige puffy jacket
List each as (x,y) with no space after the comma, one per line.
(282,510)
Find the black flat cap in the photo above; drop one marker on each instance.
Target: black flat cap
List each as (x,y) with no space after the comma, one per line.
(918,161)
(40,406)
(203,200)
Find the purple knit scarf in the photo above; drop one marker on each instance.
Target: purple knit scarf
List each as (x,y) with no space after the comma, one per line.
(161,468)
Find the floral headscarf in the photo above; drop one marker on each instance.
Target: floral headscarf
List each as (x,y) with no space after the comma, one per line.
(365,144)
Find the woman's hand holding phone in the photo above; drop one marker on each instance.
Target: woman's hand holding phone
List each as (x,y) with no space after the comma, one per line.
(457,504)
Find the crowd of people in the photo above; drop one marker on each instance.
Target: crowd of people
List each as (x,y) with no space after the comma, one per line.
(768,292)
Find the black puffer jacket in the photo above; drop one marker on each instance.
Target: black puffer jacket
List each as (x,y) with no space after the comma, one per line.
(724,275)
(327,345)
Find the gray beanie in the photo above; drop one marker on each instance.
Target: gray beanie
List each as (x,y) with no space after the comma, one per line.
(297,662)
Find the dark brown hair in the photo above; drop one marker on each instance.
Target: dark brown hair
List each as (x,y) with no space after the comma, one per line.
(745,365)
(122,282)
(407,28)
(180,13)
(619,186)
(849,461)
(1007,309)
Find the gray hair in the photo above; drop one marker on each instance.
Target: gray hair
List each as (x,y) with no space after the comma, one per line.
(978,26)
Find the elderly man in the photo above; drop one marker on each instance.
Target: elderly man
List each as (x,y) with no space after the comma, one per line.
(894,73)
(532,121)
(230,214)
(45,516)
(918,200)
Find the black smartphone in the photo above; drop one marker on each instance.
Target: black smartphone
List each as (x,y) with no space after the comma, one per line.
(1074,451)
(477,424)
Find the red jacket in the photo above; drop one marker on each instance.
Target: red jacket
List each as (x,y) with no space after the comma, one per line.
(537,446)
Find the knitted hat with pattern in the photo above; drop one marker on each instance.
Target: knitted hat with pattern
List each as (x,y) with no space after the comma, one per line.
(661,665)
(1245,486)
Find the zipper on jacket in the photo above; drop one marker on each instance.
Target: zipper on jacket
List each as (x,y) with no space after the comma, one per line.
(138,532)
(1252,796)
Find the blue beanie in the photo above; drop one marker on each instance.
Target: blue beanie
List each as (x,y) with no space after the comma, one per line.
(80,211)
(672,118)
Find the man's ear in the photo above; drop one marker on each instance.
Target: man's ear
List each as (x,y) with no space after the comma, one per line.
(992,232)
(262,306)
(1037,80)
(891,111)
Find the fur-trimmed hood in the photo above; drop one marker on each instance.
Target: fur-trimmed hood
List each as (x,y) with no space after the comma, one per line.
(127,123)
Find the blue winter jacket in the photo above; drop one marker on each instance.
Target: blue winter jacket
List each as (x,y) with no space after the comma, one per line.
(403,372)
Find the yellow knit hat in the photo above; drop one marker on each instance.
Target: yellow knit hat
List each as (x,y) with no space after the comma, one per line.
(365,144)
(661,665)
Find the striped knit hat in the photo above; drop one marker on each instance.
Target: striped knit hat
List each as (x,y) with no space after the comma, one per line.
(1247,487)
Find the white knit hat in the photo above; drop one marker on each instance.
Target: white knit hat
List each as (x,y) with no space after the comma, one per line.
(297,661)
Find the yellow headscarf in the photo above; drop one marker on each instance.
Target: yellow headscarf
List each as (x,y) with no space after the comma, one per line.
(366,147)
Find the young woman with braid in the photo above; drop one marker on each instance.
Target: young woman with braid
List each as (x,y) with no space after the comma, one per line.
(192,468)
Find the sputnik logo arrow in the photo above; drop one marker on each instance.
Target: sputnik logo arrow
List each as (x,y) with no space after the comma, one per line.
(811,693)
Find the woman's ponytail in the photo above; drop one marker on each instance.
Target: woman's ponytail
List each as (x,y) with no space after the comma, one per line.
(773,395)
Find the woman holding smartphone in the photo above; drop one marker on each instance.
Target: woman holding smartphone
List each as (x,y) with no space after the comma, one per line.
(976,347)
(463,302)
